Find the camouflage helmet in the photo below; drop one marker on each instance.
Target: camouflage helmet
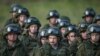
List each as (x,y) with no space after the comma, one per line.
(31,21)
(12,28)
(93,28)
(15,7)
(71,28)
(97,18)
(82,27)
(54,31)
(53,13)
(89,12)
(22,11)
(43,33)
(63,24)
(63,19)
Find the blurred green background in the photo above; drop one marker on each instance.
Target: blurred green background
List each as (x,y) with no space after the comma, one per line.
(39,8)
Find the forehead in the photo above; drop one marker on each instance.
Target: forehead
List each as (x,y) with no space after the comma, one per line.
(52,36)
(94,33)
(33,25)
(72,33)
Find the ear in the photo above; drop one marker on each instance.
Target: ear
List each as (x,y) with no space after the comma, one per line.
(68,37)
(6,37)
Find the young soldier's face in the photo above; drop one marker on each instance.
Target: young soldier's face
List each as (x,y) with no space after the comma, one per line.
(53,40)
(89,19)
(11,37)
(22,18)
(14,14)
(72,36)
(43,40)
(53,21)
(33,28)
(98,22)
(95,37)
(63,30)
(84,35)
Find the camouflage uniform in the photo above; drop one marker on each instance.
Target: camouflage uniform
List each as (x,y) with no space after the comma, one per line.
(17,50)
(47,50)
(48,26)
(88,49)
(71,47)
(30,44)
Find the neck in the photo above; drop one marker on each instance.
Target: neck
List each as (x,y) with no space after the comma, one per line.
(32,34)
(11,43)
(52,25)
(69,42)
(93,41)
(55,46)
(21,23)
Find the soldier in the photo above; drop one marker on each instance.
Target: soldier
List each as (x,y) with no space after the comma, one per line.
(30,37)
(63,22)
(82,31)
(42,37)
(91,47)
(71,39)
(97,19)
(54,47)
(52,17)
(22,14)
(89,14)
(11,46)
(14,9)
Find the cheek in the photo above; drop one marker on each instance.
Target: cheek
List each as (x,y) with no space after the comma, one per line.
(62,30)
(33,29)
(72,38)
(53,20)
(22,18)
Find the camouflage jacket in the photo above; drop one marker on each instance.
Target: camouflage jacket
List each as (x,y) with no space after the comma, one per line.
(88,49)
(47,50)
(17,50)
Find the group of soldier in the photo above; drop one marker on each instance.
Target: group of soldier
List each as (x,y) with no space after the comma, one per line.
(22,35)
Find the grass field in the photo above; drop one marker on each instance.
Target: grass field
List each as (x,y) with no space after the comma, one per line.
(71,8)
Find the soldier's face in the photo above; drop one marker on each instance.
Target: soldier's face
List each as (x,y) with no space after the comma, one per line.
(95,37)
(43,40)
(14,14)
(22,18)
(33,28)
(53,21)
(98,22)
(72,36)
(53,40)
(63,30)
(11,37)
(84,35)
(89,19)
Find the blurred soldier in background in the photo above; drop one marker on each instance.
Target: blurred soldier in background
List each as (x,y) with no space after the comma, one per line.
(89,15)
(42,37)
(53,15)
(13,11)
(54,47)
(97,19)
(71,39)
(10,45)
(91,47)
(63,23)
(82,31)
(22,14)
(30,37)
